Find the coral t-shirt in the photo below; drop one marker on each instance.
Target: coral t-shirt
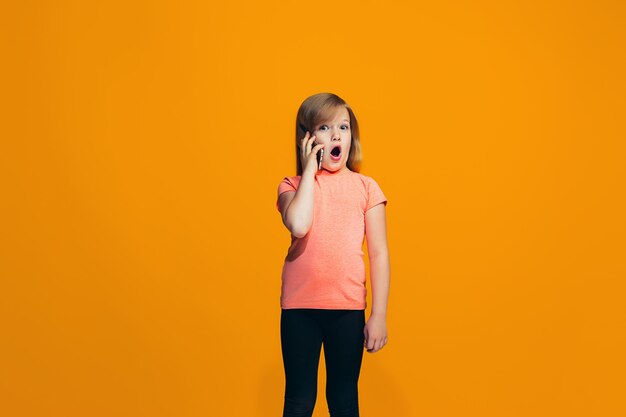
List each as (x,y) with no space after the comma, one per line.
(325,269)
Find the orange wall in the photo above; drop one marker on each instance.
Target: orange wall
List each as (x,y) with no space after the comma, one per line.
(142,147)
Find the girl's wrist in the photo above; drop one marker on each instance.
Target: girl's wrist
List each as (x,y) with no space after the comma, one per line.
(308,174)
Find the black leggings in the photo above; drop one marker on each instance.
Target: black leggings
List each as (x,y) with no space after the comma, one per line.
(302,333)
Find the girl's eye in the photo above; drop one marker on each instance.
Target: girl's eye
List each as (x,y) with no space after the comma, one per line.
(323,127)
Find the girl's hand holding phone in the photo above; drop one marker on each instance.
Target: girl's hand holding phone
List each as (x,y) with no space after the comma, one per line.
(308,156)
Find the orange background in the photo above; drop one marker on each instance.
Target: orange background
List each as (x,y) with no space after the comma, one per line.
(142,147)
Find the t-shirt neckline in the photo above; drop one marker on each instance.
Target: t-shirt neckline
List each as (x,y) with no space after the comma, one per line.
(325,173)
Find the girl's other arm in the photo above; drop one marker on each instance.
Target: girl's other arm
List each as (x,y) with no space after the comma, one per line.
(297,207)
(376,233)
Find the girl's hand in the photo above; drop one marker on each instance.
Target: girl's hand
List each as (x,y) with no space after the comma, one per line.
(375,334)
(307,155)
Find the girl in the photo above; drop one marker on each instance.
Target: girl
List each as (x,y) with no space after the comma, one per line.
(328,208)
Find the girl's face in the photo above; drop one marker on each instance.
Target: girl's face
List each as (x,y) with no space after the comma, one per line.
(335,133)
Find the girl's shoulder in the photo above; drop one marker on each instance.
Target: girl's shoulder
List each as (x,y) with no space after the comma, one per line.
(295,179)
(354,176)
(289,183)
(365,179)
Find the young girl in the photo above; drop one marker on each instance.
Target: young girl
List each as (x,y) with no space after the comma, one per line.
(328,208)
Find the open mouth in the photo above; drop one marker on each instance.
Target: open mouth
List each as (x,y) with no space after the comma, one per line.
(335,153)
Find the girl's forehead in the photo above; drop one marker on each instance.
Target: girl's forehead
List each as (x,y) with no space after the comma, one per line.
(333,113)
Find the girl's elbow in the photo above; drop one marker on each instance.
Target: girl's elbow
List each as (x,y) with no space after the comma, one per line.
(298,225)
(296,230)
(299,232)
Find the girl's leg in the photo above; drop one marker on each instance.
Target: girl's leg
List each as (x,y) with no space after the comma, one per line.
(343,352)
(301,341)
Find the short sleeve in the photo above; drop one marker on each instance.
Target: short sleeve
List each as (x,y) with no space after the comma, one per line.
(374,194)
(286,184)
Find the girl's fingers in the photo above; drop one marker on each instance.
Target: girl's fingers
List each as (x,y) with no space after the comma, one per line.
(317,147)
(304,142)
(376,345)
(312,149)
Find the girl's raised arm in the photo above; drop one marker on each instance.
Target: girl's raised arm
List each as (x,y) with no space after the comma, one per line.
(297,208)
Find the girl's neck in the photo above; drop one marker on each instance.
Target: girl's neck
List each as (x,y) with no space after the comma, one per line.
(341,171)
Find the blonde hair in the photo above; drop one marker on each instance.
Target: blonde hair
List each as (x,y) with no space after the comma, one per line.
(320,107)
